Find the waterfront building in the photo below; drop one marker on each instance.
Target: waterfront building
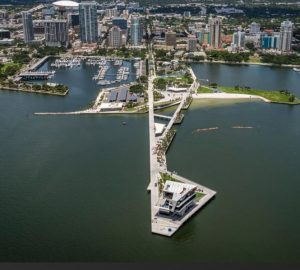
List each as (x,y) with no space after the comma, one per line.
(27,27)
(171,38)
(238,39)
(192,44)
(88,22)
(269,40)
(215,28)
(56,33)
(115,37)
(136,31)
(177,199)
(285,37)
(254,28)
(120,22)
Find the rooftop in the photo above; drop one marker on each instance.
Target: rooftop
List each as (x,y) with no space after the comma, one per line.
(66,3)
(177,188)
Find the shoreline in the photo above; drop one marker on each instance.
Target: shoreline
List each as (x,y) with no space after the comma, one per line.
(32,91)
(228,96)
(242,63)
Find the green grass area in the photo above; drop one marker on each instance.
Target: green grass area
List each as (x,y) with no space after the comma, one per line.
(254,59)
(9,69)
(182,81)
(281,96)
(204,89)
(163,178)
(199,195)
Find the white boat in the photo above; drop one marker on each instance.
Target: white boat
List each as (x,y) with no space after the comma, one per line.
(296,69)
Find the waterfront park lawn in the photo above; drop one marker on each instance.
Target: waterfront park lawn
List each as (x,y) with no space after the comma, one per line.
(204,90)
(280,96)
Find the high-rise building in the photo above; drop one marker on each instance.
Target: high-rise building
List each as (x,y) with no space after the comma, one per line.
(254,28)
(171,38)
(136,31)
(285,37)
(27,27)
(56,33)
(115,37)
(238,39)
(215,27)
(192,44)
(203,35)
(269,40)
(88,22)
(110,13)
(120,22)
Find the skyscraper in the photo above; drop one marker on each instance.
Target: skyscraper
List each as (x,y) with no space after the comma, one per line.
(88,22)
(238,39)
(269,40)
(171,38)
(136,31)
(191,44)
(115,37)
(56,33)
(113,12)
(285,37)
(27,27)
(215,27)
(254,28)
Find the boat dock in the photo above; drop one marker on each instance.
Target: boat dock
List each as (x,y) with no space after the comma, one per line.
(36,75)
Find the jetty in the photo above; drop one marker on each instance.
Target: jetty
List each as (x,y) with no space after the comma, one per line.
(162,224)
(36,75)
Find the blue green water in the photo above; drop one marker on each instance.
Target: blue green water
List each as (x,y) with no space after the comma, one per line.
(73,188)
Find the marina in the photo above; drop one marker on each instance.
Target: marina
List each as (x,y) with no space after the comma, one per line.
(66,63)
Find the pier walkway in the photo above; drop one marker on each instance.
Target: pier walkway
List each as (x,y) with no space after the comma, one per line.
(35,66)
(164,225)
(43,75)
(163,117)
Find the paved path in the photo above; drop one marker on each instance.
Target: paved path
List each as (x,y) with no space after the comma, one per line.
(164,225)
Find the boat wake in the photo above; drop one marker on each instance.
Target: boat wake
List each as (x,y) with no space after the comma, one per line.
(242,127)
(205,129)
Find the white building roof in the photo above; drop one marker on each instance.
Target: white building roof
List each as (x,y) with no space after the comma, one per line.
(176,89)
(178,189)
(159,128)
(66,3)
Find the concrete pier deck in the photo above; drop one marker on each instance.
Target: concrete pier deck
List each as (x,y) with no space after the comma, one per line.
(165,225)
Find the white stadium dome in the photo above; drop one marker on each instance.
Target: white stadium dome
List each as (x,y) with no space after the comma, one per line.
(66,3)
